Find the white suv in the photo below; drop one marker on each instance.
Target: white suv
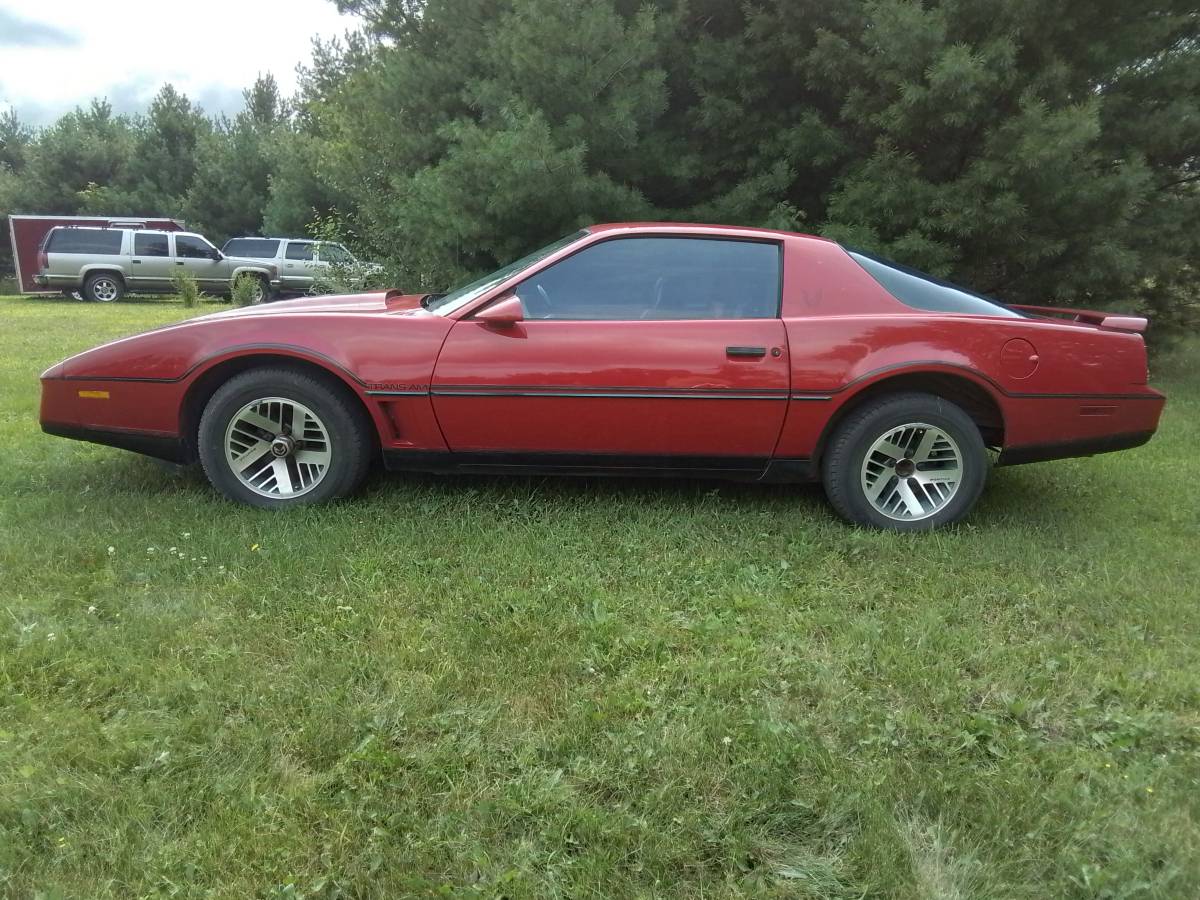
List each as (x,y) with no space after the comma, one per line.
(107,263)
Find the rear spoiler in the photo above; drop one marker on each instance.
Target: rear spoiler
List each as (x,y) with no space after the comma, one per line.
(1107,321)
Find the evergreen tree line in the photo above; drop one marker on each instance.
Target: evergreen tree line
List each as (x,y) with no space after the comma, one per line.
(1044,151)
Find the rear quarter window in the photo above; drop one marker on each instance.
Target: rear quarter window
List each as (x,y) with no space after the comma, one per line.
(923,291)
(94,241)
(254,248)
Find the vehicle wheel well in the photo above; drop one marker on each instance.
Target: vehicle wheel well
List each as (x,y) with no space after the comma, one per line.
(976,401)
(202,389)
(116,273)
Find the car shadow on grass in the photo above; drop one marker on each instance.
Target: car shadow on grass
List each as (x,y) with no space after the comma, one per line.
(1035,497)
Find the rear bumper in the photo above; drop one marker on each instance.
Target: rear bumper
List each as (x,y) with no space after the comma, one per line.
(56,281)
(160,446)
(1015,456)
(1039,429)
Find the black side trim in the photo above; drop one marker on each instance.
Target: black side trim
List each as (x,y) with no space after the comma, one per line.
(159,446)
(948,365)
(731,467)
(607,390)
(688,394)
(1014,456)
(495,390)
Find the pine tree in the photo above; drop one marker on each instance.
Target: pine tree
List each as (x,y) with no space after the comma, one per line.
(1045,152)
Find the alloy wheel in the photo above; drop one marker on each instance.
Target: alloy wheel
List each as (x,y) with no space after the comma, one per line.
(912,471)
(104,289)
(277,447)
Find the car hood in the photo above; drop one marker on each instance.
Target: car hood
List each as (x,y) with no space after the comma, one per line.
(375,302)
(164,353)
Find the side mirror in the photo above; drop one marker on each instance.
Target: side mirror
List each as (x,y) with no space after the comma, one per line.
(215,255)
(504,312)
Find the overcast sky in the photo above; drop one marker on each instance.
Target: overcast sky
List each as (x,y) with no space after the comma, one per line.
(56,54)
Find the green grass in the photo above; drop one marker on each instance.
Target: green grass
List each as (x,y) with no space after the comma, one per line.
(587,688)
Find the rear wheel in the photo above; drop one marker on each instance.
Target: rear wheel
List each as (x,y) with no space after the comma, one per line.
(905,462)
(275,438)
(103,287)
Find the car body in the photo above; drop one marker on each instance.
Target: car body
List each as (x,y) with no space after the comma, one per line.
(637,348)
(104,263)
(304,263)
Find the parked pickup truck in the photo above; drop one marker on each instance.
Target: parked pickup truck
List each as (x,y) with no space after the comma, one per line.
(104,264)
(306,266)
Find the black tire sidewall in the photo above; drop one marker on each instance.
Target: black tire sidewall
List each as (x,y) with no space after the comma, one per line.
(349,444)
(848,447)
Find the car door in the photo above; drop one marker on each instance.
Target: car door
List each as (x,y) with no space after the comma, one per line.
(665,351)
(195,255)
(298,269)
(150,265)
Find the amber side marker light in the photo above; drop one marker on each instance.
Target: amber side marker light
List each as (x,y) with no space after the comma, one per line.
(94,395)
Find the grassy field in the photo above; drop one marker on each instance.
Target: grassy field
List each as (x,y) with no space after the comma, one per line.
(586,688)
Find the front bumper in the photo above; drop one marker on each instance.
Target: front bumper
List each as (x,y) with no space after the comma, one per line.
(160,446)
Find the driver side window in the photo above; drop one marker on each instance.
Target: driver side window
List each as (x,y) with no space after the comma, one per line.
(659,278)
(190,247)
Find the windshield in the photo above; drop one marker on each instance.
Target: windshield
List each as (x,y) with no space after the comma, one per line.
(461,296)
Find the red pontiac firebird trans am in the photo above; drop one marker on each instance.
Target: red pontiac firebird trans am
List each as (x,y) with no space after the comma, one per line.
(640,349)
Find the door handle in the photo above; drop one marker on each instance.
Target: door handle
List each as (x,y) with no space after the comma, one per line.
(178,263)
(137,262)
(746,351)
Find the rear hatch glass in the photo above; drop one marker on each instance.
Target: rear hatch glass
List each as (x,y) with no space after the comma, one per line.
(923,291)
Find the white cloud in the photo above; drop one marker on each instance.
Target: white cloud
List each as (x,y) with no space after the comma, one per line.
(60,54)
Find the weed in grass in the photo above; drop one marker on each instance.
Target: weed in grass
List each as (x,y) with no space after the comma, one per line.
(244,288)
(187,291)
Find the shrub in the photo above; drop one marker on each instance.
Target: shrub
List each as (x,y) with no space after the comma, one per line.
(186,288)
(244,287)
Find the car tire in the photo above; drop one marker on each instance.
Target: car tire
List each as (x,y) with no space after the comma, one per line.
(103,287)
(905,462)
(252,464)
(263,295)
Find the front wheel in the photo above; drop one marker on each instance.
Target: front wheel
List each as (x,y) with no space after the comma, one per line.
(905,462)
(276,438)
